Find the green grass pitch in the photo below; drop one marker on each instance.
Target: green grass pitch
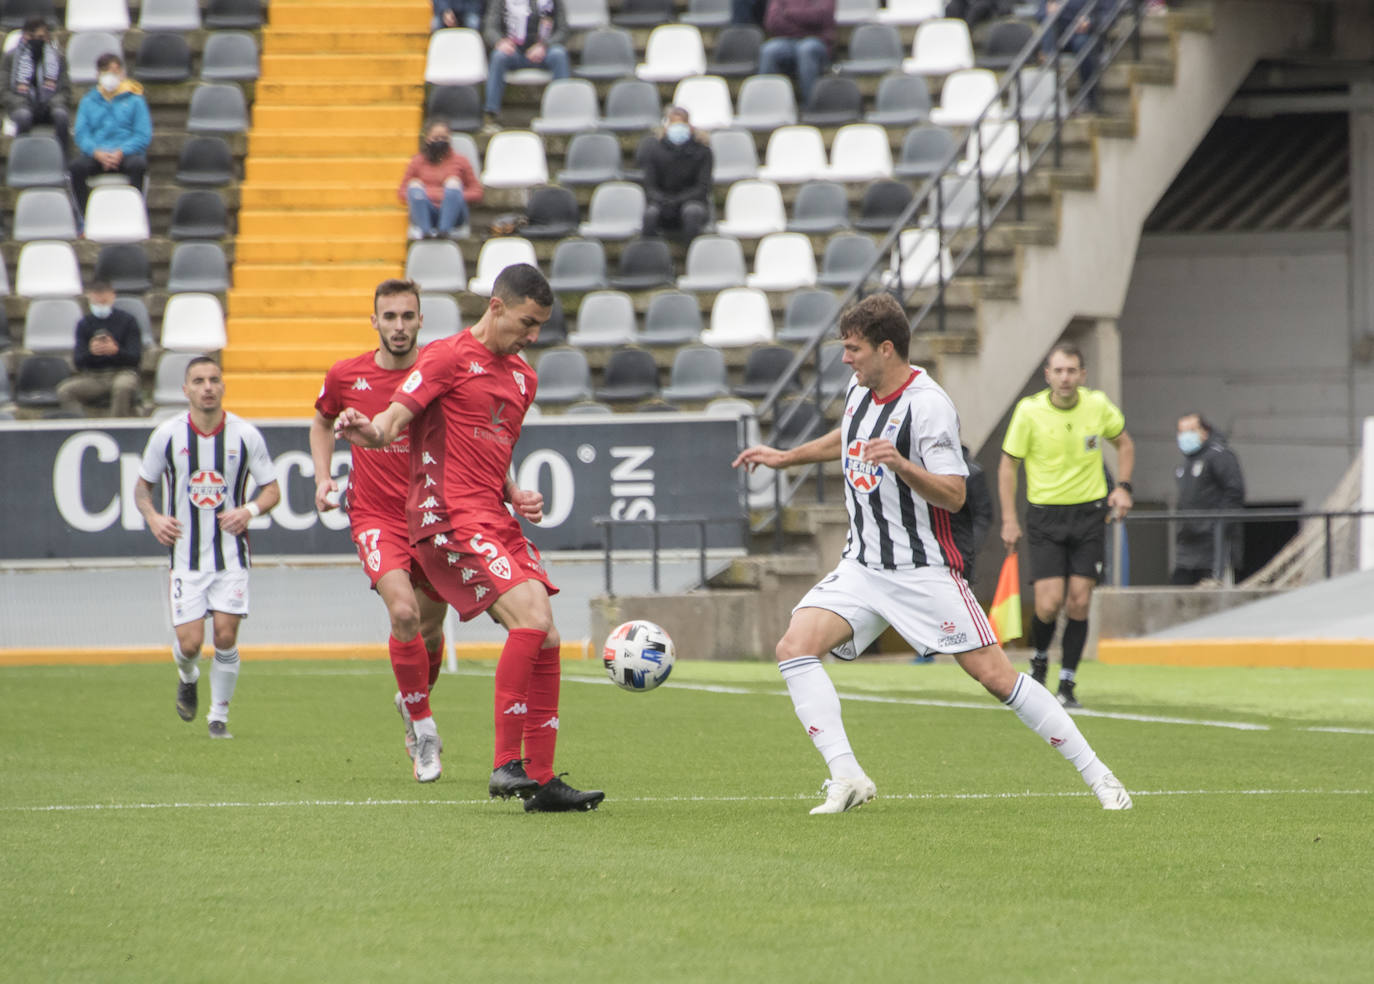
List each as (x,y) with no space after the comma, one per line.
(132,848)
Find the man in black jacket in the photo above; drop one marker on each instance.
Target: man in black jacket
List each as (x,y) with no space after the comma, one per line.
(1208,478)
(108,348)
(37,87)
(677,179)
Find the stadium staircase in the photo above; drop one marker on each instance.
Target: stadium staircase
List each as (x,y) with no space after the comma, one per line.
(338,105)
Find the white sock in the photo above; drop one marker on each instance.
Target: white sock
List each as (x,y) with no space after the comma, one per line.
(1067,675)
(1039,711)
(188,667)
(424,726)
(224,675)
(818,708)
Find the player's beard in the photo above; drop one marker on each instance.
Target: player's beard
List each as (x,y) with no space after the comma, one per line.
(400,352)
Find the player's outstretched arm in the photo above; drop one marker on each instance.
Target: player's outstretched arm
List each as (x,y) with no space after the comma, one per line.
(354,426)
(321,453)
(165,529)
(824,448)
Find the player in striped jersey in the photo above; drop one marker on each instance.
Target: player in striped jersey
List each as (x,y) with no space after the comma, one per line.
(203,459)
(903,564)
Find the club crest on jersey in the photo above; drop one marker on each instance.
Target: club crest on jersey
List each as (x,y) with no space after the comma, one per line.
(412,382)
(206,489)
(519,381)
(500,567)
(863,477)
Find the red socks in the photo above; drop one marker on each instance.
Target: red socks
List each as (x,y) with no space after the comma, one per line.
(410,664)
(541,724)
(513,671)
(436,661)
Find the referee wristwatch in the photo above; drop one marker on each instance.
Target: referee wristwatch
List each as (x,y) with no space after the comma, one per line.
(1127,486)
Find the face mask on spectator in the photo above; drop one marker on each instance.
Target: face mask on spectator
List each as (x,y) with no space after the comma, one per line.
(1189,442)
(437,150)
(101,310)
(679,133)
(108,81)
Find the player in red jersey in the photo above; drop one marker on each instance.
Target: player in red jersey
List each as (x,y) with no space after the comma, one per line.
(377,484)
(465,402)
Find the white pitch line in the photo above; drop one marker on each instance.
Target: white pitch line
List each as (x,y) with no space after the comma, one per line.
(285,804)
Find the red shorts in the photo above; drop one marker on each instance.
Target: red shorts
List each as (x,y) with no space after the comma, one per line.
(472,565)
(384,548)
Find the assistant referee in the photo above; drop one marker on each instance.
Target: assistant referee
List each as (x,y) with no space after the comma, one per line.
(1058,433)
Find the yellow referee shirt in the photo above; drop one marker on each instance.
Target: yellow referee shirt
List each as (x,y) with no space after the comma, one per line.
(1062,449)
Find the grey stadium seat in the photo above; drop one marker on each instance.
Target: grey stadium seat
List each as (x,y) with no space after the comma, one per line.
(734,156)
(698,373)
(616,211)
(198,266)
(809,311)
(835,100)
(883,203)
(242,14)
(765,102)
(1003,42)
(736,53)
(604,318)
(136,309)
(764,366)
(437,265)
(35,385)
(205,161)
(14,13)
(442,317)
(607,53)
(820,206)
(591,159)
(35,161)
(874,49)
(83,48)
(630,375)
(644,13)
(199,215)
(901,101)
(217,107)
(552,213)
(644,263)
(713,263)
(924,150)
(567,106)
(230,56)
(50,324)
(125,266)
(460,106)
(163,56)
(43,213)
(632,104)
(169,15)
(673,318)
(578,265)
(564,377)
(847,258)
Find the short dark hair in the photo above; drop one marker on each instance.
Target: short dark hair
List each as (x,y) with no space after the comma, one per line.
(34,24)
(197,361)
(99,286)
(1202,421)
(434,121)
(108,59)
(878,318)
(393,286)
(1069,349)
(521,282)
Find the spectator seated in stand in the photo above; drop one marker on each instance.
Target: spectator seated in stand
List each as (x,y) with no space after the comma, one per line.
(107,353)
(801,34)
(458,13)
(677,179)
(113,130)
(37,87)
(438,186)
(522,34)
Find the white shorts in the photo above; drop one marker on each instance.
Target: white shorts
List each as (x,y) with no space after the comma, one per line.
(932,608)
(193,594)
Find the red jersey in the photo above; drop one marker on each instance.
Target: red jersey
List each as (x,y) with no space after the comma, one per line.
(380,477)
(469,405)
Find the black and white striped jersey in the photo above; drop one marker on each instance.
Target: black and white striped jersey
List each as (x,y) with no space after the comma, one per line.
(202,476)
(890,526)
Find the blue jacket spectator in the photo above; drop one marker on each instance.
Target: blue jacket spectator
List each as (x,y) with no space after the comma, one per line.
(113,129)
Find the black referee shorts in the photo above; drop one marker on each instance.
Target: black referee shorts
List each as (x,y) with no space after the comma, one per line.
(1066,540)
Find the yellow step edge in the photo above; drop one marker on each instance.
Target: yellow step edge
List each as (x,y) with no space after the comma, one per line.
(344,67)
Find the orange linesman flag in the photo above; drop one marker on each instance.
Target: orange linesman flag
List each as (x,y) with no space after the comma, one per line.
(1005,612)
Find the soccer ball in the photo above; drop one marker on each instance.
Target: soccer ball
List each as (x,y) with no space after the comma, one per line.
(638,656)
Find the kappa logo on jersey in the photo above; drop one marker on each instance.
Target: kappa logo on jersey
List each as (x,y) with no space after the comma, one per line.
(863,476)
(428,519)
(207,489)
(517,708)
(475,368)
(429,503)
(440,539)
(551,723)
(480,591)
(519,381)
(412,382)
(500,567)
(427,459)
(429,482)
(361,384)
(453,559)
(468,574)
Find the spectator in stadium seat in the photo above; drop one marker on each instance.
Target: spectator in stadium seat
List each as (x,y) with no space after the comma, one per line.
(37,87)
(1081,15)
(746,11)
(974,12)
(438,186)
(522,34)
(106,356)
(1209,478)
(458,13)
(677,179)
(113,129)
(801,34)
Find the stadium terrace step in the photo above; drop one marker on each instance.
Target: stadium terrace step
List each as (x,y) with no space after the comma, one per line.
(404,15)
(293,392)
(313,172)
(321,67)
(258,302)
(359,119)
(327,144)
(371,42)
(353,332)
(293,358)
(315,197)
(306,92)
(255,408)
(362,277)
(325,224)
(290,249)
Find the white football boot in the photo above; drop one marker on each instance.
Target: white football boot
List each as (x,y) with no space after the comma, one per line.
(1111,793)
(404,711)
(843,795)
(427,767)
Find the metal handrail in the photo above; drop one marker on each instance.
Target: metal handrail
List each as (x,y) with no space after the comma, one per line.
(931,198)
(655,524)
